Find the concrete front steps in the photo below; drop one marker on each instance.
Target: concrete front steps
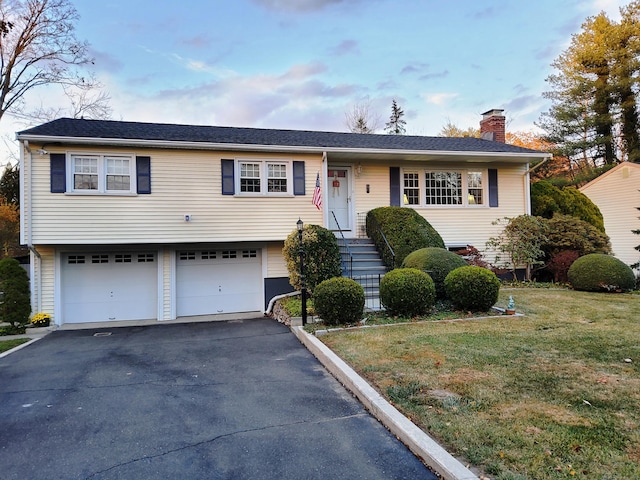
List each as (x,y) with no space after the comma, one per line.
(365,266)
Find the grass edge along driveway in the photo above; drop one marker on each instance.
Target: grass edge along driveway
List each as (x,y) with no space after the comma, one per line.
(552,395)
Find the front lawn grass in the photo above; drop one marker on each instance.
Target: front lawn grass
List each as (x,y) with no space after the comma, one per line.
(9,344)
(550,395)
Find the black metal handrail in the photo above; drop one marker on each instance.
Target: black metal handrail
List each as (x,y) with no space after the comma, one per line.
(345,245)
(376,226)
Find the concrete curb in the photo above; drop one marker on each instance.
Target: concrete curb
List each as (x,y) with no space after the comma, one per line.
(26,344)
(421,444)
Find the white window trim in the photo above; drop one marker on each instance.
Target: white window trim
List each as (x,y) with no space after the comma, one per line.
(264,162)
(465,187)
(102,174)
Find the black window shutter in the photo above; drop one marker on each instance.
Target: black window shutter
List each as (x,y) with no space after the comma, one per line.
(143,174)
(228,181)
(58,172)
(493,187)
(394,186)
(298,178)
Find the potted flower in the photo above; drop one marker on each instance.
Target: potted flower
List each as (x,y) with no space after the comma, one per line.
(41,320)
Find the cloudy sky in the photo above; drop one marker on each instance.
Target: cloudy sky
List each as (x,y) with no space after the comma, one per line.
(302,64)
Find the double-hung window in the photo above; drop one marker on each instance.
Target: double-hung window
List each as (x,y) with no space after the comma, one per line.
(102,173)
(264,177)
(411,188)
(428,188)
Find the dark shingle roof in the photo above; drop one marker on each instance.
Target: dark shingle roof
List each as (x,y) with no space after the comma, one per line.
(112,130)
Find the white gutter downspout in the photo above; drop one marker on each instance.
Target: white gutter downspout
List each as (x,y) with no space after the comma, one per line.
(527,183)
(35,273)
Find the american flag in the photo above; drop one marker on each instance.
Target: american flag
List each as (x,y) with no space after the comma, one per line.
(317,195)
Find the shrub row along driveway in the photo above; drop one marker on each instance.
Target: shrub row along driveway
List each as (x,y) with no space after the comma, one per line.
(202,400)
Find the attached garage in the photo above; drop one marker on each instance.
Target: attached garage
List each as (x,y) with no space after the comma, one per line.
(107,286)
(218,281)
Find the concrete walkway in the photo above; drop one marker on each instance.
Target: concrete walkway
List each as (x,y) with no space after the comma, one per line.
(230,400)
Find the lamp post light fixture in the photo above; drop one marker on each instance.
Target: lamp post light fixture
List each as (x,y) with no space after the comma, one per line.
(303,286)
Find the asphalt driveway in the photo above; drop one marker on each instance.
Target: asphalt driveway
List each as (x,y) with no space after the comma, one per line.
(220,400)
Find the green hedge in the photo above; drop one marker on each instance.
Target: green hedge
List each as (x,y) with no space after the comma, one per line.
(406,231)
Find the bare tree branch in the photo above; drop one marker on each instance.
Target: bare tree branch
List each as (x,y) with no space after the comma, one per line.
(360,119)
(38,47)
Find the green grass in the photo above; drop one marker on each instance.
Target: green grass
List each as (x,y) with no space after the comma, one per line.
(545,396)
(9,344)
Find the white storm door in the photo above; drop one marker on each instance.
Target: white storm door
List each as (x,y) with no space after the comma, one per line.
(339,198)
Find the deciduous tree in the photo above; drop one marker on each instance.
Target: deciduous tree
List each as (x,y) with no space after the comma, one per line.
(38,47)
(519,244)
(361,119)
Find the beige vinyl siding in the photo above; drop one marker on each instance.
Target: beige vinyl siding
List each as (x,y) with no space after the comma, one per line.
(47,287)
(276,265)
(182,182)
(617,195)
(456,225)
(377,177)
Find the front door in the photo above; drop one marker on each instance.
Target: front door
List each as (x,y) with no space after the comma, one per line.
(339,195)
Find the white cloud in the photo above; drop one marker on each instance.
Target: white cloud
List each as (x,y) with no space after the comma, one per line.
(438,98)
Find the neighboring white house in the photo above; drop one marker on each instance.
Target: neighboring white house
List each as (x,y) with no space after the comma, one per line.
(131,221)
(617,195)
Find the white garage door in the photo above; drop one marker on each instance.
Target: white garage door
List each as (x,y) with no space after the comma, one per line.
(99,287)
(218,281)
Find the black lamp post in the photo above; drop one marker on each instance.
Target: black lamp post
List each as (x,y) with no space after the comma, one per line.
(303,286)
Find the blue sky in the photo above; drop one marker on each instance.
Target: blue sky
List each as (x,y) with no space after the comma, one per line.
(302,64)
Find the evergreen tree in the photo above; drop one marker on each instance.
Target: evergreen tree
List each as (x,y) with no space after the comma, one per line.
(593,119)
(396,124)
(10,185)
(15,301)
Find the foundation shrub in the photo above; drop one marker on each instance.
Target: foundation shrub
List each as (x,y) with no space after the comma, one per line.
(405,229)
(15,297)
(407,292)
(472,288)
(339,300)
(321,260)
(437,262)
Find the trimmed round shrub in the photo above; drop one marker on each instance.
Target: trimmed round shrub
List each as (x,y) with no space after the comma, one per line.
(339,300)
(407,292)
(15,304)
(472,288)
(321,260)
(405,230)
(597,272)
(437,262)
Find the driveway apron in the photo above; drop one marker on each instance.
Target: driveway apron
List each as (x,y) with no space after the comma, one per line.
(218,400)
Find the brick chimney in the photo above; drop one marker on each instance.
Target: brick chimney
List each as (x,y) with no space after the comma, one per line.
(492,125)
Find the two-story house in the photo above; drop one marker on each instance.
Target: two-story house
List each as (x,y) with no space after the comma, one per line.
(132,221)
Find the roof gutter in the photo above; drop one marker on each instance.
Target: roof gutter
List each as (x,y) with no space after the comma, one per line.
(258,148)
(538,165)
